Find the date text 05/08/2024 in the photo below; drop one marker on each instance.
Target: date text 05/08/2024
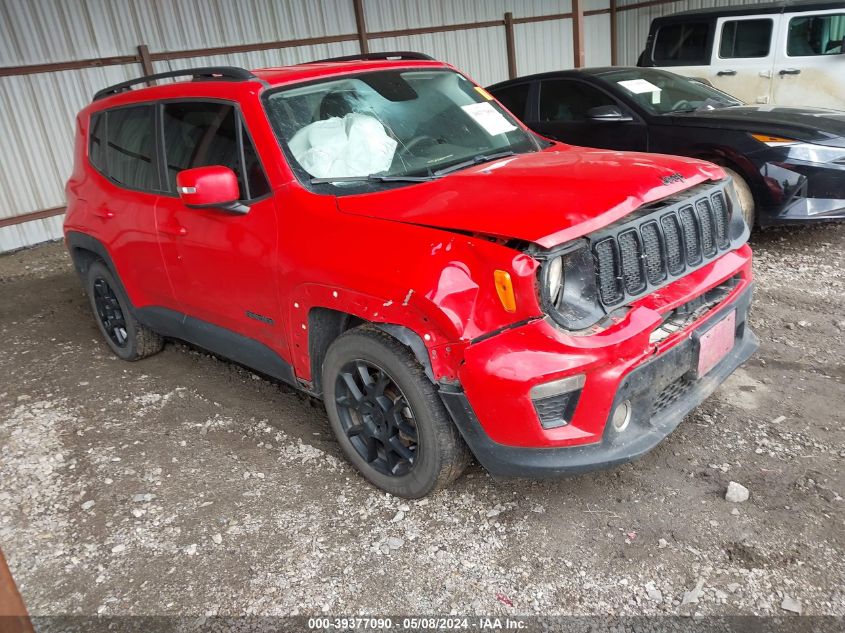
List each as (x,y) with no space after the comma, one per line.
(431,623)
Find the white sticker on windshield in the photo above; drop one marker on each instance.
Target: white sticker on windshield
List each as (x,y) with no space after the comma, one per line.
(638,86)
(489,118)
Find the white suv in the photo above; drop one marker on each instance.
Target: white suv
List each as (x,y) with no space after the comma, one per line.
(789,53)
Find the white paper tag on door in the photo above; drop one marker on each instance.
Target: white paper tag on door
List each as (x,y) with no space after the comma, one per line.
(489,118)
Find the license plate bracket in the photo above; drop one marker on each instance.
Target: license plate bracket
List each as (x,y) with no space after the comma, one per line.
(716,343)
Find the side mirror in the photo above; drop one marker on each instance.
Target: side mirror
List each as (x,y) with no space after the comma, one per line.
(213,187)
(608,114)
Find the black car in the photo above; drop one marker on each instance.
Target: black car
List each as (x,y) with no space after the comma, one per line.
(788,164)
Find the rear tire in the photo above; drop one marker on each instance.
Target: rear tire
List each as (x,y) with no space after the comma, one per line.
(125,336)
(745,196)
(388,417)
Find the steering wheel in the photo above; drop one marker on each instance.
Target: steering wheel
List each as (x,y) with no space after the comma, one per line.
(683,104)
(406,148)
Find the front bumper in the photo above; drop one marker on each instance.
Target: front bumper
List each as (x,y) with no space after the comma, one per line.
(661,390)
(801,191)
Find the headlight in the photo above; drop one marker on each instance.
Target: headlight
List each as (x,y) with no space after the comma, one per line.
(807,152)
(554,278)
(567,285)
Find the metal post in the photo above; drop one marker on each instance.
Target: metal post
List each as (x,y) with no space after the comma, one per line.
(13,615)
(578,33)
(614,50)
(146,62)
(358,5)
(509,45)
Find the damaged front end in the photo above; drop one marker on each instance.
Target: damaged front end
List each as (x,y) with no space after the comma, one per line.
(644,319)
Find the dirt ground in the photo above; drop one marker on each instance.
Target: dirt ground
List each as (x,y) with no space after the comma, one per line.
(186,485)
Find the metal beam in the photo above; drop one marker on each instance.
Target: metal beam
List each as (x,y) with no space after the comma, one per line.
(579,56)
(614,44)
(358,6)
(29,217)
(509,45)
(146,62)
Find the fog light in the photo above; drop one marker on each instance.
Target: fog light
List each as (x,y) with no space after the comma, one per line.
(555,402)
(621,415)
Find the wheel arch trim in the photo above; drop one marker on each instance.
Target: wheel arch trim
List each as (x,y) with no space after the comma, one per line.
(77,243)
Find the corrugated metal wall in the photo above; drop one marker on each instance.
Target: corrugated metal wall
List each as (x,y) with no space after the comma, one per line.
(37,111)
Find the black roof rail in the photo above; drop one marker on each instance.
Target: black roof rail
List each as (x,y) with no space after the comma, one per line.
(394,55)
(210,73)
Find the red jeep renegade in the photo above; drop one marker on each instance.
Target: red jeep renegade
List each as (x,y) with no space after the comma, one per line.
(384,235)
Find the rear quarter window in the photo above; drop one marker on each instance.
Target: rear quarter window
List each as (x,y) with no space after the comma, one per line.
(97,141)
(684,44)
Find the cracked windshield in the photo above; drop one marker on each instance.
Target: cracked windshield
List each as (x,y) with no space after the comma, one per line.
(393,126)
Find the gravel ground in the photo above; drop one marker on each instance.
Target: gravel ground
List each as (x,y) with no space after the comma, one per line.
(183,484)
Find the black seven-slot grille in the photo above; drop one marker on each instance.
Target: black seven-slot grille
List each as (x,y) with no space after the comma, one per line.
(660,245)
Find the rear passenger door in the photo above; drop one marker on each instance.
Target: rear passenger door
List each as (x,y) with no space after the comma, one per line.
(743,56)
(222,264)
(564,113)
(122,150)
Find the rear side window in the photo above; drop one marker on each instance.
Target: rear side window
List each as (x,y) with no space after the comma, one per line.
(745,38)
(680,44)
(562,100)
(130,157)
(515,98)
(200,134)
(816,35)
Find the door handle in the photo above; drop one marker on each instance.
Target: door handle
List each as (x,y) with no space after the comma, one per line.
(178,231)
(789,71)
(105,214)
(723,73)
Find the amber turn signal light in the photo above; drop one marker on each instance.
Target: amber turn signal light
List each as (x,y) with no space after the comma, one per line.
(772,140)
(504,288)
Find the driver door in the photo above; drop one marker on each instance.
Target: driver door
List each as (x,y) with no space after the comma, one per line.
(221,264)
(563,113)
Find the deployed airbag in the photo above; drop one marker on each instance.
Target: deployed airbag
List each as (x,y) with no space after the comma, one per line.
(353,145)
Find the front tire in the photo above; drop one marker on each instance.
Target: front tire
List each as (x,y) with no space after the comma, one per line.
(125,336)
(745,196)
(388,417)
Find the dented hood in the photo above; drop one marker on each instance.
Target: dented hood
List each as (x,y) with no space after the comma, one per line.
(546,197)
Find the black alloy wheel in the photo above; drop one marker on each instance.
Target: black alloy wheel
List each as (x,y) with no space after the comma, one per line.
(387,415)
(110,312)
(376,417)
(124,334)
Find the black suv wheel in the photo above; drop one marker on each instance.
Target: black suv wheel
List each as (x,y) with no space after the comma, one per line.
(127,338)
(387,416)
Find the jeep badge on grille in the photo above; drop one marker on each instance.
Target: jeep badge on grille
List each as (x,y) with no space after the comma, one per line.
(676,177)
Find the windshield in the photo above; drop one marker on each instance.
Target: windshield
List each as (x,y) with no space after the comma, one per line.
(392,126)
(662,92)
